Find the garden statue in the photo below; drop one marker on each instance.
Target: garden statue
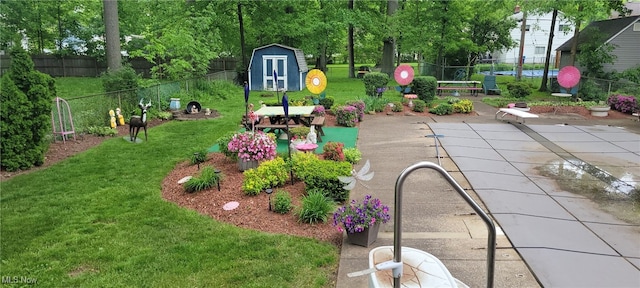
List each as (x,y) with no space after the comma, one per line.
(120,117)
(136,122)
(112,119)
(359,175)
(312,137)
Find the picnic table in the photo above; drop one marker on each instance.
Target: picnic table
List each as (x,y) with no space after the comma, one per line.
(301,116)
(471,86)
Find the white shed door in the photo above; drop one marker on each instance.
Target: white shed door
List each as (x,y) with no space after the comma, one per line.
(277,63)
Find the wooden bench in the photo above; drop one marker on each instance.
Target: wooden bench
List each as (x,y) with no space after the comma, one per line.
(515,112)
(318,121)
(275,127)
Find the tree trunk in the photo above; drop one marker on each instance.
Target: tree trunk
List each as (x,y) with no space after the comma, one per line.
(112,35)
(523,31)
(543,85)
(352,73)
(576,34)
(389,43)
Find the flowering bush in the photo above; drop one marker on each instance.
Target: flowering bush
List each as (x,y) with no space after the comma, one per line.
(319,110)
(358,216)
(360,108)
(346,116)
(623,103)
(253,146)
(333,151)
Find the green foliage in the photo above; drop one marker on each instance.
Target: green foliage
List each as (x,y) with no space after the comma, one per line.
(270,173)
(101,131)
(452,100)
(207,179)
(425,87)
(26,110)
(303,164)
(327,102)
(594,53)
(463,106)
(198,157)
(333,151)
(315,207)
(352,155)
(324,175)
(519,89)
(164,115)
(223,146)
(375,104)
(299,132)
(499,101)
(373,81)
(282,202)
(591,91)
(442,109)
(123,79)
(419,105)
(397,106)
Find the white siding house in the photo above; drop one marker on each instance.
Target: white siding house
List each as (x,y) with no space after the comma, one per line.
(536,39)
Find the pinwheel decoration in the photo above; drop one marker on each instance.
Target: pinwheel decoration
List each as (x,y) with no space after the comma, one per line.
(316,81)
(568,76)
(403,74)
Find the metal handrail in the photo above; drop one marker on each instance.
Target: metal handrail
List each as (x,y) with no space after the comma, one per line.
(397,226)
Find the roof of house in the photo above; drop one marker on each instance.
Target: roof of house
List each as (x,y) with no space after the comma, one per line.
(610,28)
(302,63)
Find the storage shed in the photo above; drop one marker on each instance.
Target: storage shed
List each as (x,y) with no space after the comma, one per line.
(288,62)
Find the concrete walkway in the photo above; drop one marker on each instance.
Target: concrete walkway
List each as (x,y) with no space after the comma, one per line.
(552,237)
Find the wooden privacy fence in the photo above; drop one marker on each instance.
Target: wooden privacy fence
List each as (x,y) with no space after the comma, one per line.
(86,66)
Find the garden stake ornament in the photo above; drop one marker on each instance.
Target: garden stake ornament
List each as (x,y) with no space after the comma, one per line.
(136,122)
(360,175)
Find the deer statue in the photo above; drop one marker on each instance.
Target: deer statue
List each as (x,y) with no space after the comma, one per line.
(139,121)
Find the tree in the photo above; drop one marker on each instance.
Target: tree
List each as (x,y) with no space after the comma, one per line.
(112,35)
(25,101)
(388,48)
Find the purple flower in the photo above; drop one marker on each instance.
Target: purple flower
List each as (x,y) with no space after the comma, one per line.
(356,217)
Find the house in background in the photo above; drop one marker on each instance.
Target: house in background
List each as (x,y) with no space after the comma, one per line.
(289,64)
(536,38)
(623,33)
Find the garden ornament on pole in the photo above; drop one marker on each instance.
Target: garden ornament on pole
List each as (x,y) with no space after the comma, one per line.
(246,101)
(568,77)
(285,106)
(403,75)
(275,84)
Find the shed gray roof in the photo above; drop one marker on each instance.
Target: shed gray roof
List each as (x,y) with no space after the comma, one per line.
(302,63)
(610,28)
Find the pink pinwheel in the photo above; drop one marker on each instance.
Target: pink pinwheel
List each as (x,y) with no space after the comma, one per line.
(568,76)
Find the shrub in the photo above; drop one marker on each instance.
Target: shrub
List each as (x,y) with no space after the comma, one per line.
(424,87)
(418,105)
(352,155)
(253,146)
(346,116)
(327,102)
(452,100)
(271,173)
(333,151)
(303,164)
(207,179)
(25,113)
(376,104)
(299,132)
(373,81)
(315,207)
(623,103)
(397,106)
(123,79)
(360,108)
(319,110)
(223,146)
(324,176)
(282,202)
(463,106)
(519,89)
(198,157)
(442,109)
(591,91)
